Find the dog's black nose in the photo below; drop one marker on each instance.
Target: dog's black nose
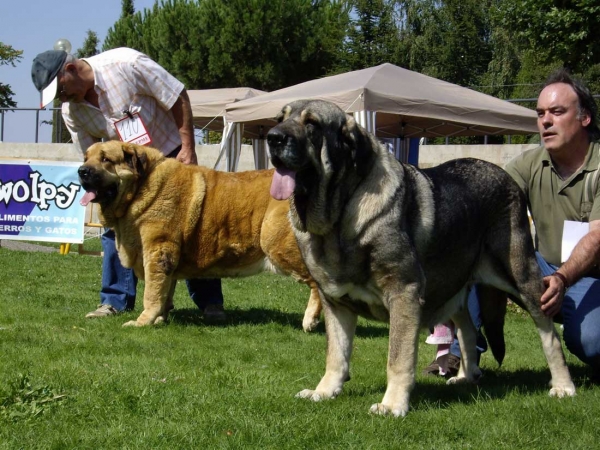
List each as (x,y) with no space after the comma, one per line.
(275,137)
(83,172)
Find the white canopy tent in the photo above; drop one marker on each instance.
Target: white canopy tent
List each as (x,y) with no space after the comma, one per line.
(394,103)
(208,110)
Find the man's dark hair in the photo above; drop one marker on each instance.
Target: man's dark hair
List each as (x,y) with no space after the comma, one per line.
(587,104)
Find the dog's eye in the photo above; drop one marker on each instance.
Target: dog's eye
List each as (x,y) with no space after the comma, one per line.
(105,160)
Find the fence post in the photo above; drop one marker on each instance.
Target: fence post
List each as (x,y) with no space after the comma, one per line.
(37,125)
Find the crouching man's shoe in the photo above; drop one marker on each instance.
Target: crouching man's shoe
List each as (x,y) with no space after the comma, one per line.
(102,311)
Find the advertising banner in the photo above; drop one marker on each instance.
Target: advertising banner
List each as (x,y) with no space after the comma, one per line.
(39,201)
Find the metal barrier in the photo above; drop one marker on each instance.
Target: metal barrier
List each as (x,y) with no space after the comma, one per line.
(57,117)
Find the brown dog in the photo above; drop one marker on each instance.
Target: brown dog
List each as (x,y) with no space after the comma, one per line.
(174,221)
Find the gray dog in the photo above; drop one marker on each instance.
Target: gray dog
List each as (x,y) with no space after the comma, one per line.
(388,241)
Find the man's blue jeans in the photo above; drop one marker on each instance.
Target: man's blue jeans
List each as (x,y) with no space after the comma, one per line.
(119,283)
(580,316)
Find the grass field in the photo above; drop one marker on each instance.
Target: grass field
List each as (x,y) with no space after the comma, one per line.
(68,382)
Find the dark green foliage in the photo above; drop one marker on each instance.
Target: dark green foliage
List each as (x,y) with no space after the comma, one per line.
(269,45)
(372,35)
(261,44)
(446,39)
(90,45)
(127,8)
(8,56)
(561,31)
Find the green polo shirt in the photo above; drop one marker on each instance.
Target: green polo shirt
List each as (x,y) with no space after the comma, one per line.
(552,200)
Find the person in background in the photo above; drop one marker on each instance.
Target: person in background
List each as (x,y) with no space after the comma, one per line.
(98,92)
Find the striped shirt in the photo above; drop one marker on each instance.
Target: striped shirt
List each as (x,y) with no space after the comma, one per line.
(126,80)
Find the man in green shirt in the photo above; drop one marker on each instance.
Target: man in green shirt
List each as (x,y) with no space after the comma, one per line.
(560,181)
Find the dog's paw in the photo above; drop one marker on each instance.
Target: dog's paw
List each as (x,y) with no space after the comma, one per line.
(309,324)
(383,410)
(132,323)
(562,391)
(460,380)
(316,396)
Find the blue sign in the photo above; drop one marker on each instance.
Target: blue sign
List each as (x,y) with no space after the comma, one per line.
(39,201)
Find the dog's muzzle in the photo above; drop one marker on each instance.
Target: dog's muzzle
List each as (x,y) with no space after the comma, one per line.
(278,141)
(286,145)
(85,173)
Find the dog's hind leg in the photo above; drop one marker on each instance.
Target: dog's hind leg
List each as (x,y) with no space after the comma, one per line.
(512,267)
(561,384)
(529,294)
(340,325)
(468,372)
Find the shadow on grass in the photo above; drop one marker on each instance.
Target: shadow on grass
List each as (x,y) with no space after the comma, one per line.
(432,392)
(261,316)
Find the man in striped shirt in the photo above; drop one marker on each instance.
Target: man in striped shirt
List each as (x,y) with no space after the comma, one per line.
(98,92)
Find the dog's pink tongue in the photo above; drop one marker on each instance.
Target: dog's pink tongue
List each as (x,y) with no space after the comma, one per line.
(87,197)
(283,184)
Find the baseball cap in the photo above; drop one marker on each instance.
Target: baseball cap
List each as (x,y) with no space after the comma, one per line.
(44,71)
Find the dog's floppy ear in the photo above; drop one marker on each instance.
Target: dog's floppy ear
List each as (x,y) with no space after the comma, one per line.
(356,138)
(283,114)
(137,161)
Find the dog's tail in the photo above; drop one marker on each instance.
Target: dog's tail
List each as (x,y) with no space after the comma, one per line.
(493,311)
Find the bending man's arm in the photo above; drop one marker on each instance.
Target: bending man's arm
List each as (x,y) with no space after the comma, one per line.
(182,112)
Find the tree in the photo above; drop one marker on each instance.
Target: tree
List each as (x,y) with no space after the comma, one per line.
(8,56)
(372,36)
(90,45)
(560,30)
(269,45)
(446,39)
(127,8)
(257,43)
(127,30)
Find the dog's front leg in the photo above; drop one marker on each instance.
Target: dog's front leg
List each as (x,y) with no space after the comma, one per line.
(313,309)
(340,326)
(405,318)
(159,266)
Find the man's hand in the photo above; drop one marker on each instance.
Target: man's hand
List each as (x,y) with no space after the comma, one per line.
(187,156)
(553,296)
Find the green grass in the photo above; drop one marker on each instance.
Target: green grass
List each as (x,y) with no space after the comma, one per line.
(69,382)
